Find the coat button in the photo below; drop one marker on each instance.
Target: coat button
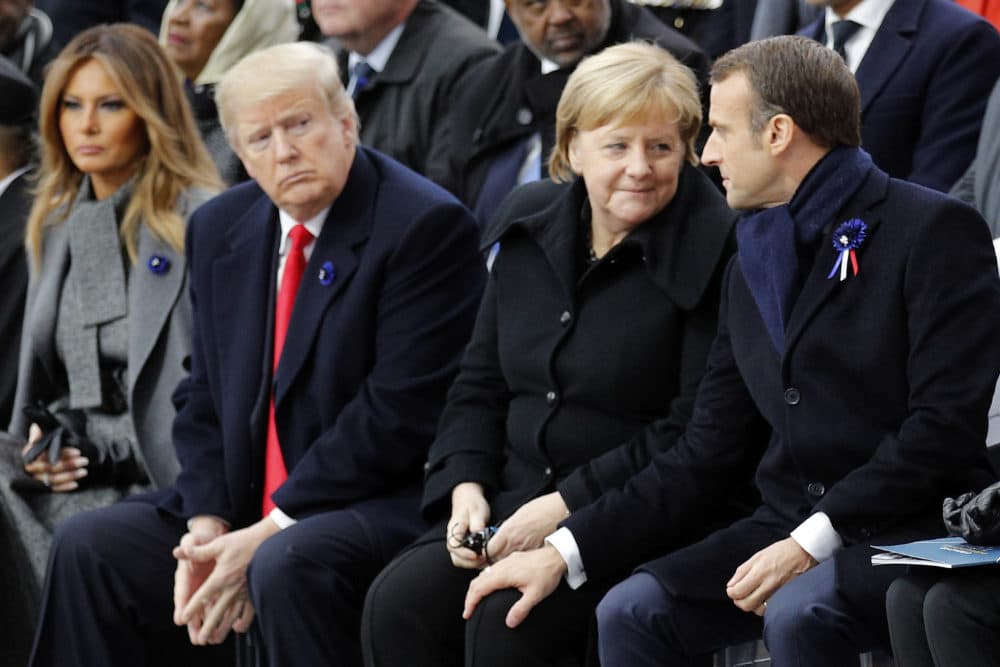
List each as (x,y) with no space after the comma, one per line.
(524,116)
(565,318)
(792,396)
(548,472)
(427,467)
(679,22)
(550,397)
(816,489)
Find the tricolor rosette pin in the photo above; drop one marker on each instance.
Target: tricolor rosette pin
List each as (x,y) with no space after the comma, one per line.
(847,238)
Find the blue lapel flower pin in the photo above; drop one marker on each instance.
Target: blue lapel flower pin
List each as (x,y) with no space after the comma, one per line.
(847,238)
(158,264)
(327,273)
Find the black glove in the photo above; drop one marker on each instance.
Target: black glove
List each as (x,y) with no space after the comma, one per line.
(110,466)
(974,516)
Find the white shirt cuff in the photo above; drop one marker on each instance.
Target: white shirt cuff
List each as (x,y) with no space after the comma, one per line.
(282,519)
(563,541)
(817,537)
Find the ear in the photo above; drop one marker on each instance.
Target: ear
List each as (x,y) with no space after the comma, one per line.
(779,133)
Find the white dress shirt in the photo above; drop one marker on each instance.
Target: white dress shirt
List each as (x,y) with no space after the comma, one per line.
(869,15)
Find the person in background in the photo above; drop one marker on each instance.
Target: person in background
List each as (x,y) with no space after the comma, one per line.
(782,17)
(107,323)
(714,25)
(26,37)
(400,61)
(18,100)
(207,37)
(332,298)
(858,323)
(503,114)
(552,406)
(979,186)
(925,69)
(71,17)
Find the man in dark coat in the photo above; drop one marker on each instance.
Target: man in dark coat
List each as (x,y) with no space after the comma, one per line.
(18,97)
(301,454)
(925,76)
(502,118)
(858,322)
(411,53)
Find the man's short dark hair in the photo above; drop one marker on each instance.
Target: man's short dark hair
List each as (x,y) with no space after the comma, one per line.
(800,77)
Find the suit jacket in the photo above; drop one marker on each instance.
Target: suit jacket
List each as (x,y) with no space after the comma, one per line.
(403,107)
(541,320)
(924,84)
(505,99)
(877,408)
(980,185)
(371,347)
(15,204)
(159,334)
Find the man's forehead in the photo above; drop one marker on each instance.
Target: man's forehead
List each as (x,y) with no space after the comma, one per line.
(276,108)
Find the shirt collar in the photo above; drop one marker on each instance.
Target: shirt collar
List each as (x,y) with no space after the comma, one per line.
(868,14)
(548,66)
(314,225)
(380,55)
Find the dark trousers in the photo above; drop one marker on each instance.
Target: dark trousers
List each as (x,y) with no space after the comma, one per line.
(111,583)
(108,597)
(413,617)
(939,619)
(651,619)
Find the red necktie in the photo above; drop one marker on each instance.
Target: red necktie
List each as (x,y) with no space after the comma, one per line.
(274,463)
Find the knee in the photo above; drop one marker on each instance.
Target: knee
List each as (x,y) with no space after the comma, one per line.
(272,569)
(625,607)
(397,592)
(491,614)
(945,605)
(80,538)
(789,616)
(904,599)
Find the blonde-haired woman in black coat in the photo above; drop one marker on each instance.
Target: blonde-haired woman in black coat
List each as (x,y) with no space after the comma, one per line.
(589,344)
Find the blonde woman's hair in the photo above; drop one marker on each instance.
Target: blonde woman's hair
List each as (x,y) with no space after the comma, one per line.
(275,71)
(176,158)
(623,84)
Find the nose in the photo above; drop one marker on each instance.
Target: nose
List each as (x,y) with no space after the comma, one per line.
(710,153)
(284,147)
(180,12)
(559,12)
(637,165)
(89,120)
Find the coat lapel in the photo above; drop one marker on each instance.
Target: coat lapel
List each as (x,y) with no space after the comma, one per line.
(242,282)
(887,51)
(44,298)
(818,288)
(334,259)
(155,285)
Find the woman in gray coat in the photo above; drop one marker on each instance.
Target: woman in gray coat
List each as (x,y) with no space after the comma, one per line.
(107,320)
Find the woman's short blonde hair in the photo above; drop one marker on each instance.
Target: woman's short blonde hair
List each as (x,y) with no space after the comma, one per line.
(278,70)
(623,84)
(175,158)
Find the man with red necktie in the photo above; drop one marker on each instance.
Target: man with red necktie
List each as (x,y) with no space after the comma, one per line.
(332,299)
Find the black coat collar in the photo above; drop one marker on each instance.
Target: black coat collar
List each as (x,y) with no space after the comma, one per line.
(682,245)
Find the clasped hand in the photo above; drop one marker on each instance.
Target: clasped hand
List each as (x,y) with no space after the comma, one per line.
(524,530)
(62,476)
(210,584)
